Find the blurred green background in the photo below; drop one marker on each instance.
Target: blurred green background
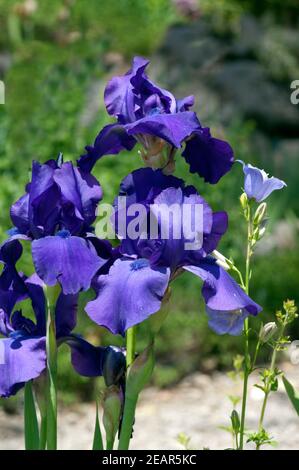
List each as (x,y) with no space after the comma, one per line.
(237,58)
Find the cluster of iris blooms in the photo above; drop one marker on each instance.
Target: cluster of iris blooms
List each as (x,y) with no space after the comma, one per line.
(56,216)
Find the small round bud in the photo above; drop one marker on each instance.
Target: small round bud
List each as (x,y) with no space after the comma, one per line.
(267,331)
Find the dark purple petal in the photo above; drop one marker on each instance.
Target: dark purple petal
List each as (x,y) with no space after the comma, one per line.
(227,304)
(258,185)
(81,189)
(43,200)
(19,213)
(126,296)
(71,261)
(144,184)
(185,103)
(86,358)
(66,314)
(174,128)
(36,293)
(219,227)
(110,141)
(24,359)
(119,97)
(209,157)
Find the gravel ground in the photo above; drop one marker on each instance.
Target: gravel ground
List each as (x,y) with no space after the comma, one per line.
(196,407)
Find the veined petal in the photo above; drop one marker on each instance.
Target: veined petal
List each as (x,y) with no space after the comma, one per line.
(258,185)
(130,293)
(71,261)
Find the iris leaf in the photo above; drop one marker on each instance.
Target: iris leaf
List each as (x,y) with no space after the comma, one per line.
(292,393)
(97,438)
(30,420)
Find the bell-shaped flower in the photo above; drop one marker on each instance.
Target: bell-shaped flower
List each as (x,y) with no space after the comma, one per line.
(152,116)
(257,183)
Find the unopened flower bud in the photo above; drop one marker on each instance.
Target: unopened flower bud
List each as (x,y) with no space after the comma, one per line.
(235,420)
(114,365)
(260,213)
(140,372)
(112,405)
(156,320)
(267,331)
(244,201)
(222,261)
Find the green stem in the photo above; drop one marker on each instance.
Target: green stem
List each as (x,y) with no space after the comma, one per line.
(247,362)
(131,345)
(127,424)
(43,433)
(267,385)
(109,444)
(51,346)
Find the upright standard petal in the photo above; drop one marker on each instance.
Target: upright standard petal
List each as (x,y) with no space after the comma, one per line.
(112,139)
(227,304)
(130,293)
(209,157)
(81,189)
(24,359)
(119,97)
(71,261)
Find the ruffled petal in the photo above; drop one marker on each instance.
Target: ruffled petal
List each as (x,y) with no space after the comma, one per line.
(126,296)
(174,128)
(23,359)
(118,96)
(71,261)
(209,157)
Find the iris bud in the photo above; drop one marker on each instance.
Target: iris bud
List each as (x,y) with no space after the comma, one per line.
(140,372)
(112,405)
(267,331)
(260,213)
(114,365)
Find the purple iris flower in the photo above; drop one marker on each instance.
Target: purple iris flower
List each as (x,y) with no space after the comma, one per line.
(56,213)
(136,283)
(23,348)
(150,115)
(257,183)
